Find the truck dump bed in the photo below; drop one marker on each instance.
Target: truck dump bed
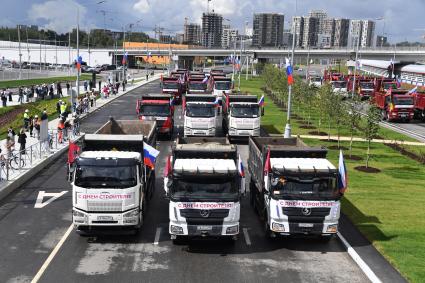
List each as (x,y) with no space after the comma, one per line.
(121,135)
(204,147)
(199,98)
(283,147)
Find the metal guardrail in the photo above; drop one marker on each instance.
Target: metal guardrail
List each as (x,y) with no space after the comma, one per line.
(19,161)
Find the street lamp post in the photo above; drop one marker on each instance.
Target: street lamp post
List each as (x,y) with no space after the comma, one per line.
(78,58)
(20,53)
(355,67)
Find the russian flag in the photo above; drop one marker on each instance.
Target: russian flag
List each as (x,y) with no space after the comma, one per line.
(261,102)
(342,171)
(240,167)
(149,155)
(205,80)
(413,90)
(267,169)
(124,58)
(289,72)
(216,101)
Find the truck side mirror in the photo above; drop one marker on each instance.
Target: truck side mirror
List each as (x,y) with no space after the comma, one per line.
(262,111)
(167,183)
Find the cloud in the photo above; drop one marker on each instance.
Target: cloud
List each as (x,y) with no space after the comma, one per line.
(143,6)
(58,15)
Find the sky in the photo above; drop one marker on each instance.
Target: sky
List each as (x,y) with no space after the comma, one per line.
(401,22)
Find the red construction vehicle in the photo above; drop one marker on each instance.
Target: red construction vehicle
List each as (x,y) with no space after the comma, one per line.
(419,102)
(173,86)
(158,107)
(366,88)
(395,105)
(332,75)
(383,85)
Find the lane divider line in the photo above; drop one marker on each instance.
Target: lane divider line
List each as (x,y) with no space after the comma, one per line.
(246,236)
(52,255)
(157,234)
(359,261)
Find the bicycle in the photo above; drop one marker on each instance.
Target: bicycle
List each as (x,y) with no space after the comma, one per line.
(16,162)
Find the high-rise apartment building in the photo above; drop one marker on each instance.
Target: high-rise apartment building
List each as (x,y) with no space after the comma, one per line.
(329,30)
(310,32)
(229,36)
(341,32)
(268,29)
(212,28)
(298,30)
(362,30)
(321,16)
(192,34)
(368,33)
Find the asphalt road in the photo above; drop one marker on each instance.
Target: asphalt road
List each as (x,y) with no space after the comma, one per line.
(29,235)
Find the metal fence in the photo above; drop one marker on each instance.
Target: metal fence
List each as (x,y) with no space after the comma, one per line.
(18,161)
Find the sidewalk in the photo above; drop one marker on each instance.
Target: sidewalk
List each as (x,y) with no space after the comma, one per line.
(324,138)
(38,152)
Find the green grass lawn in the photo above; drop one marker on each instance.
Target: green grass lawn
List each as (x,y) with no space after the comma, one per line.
(387,207)
(18,83)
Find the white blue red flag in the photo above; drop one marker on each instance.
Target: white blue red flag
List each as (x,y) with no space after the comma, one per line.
(216,101)
(261,102)
(205,80)
(149,155)
(124,58)
(342,171)
(289,72)
(413,90)
(240,167)
(79,62)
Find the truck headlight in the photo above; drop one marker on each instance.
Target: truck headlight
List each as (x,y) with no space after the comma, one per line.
(76,213)
(277,227)
(232,229)
(176,229)
(133,213)
(332,228)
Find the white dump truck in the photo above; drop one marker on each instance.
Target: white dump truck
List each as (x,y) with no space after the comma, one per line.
(111,181)
(293,187)
(204,186)
(200,115)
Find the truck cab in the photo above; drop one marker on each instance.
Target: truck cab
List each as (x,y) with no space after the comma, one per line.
(159,108)
(221,85)
(173,87)
(204,188)
(315,81)
(200,115)
(340,88)
(395,105)
(366,89)
(293,187)
(419,102)
(111,184)
(241,115)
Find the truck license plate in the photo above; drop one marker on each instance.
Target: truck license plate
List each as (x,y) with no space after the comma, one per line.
(305,225)
(204,228)
(104,218)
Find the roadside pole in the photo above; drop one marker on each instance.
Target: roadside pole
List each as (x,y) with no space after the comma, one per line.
(355,67)
(20,53)
(288,117)
(78,58)
(123,56)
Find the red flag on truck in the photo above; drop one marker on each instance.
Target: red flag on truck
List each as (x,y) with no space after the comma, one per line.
(168,168)
(267,166)
(72,152)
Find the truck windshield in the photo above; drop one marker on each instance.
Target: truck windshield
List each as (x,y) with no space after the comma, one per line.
(106,176)
(197,86)
(244,111)
(367,85)
(200,110)
(402,100)
(223,85)
(339,84)
(205,188)
(170,85)
(316,79)
(162,110)
(305,187)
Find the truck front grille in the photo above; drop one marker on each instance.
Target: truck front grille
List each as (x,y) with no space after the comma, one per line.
(103,206)
(295,214)
(214,217)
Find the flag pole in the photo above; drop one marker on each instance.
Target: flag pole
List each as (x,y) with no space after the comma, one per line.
(288,117)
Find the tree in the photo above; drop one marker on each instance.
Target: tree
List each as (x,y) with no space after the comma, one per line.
(338,112)
(320,103)
(353,118)
(371,127)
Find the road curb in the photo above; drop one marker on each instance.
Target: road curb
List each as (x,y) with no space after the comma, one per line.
(358,260)
(25,177)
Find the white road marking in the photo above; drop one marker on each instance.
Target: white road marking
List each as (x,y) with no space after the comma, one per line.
(52,255)
(357,259)
(246,236)
(157,234)
(53,196)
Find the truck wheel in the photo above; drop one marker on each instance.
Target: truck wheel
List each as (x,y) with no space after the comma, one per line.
(387,116)
(383,115)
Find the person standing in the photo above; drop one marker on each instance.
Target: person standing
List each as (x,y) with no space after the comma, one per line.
(36,125)
(124,82)
(20,95)
(68,86)
(32,93)
(58,107)
(22,140)
(9,144)
(9,93)
(61,127)
(51,92)
(26,119)
(11,134)
(100,86)
(31,125)
(59,89)
(4,98)
(85,85)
